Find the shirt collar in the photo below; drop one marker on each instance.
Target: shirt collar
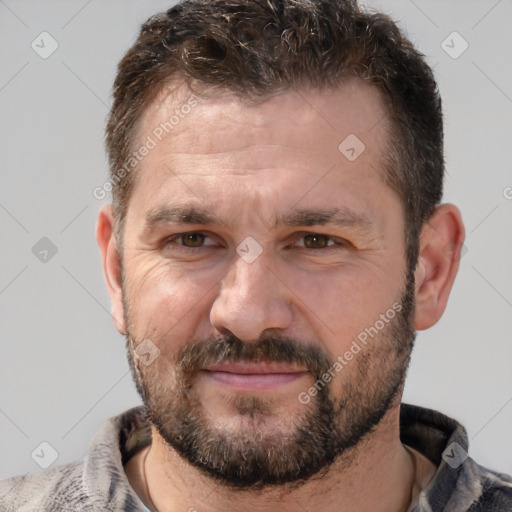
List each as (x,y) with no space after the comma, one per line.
(429,432)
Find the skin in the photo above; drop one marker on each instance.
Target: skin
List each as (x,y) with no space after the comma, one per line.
(247,163)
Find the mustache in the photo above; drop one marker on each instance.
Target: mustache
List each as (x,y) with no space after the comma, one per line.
(197,356)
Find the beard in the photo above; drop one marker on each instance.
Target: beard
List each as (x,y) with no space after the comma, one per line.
(251,451)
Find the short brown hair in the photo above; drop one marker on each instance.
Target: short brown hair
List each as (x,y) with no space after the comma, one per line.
(258,48)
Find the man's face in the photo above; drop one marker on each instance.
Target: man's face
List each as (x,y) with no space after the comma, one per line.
(265,233)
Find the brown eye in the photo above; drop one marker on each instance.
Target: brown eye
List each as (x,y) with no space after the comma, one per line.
(192,239)
(316,241)
(189,242)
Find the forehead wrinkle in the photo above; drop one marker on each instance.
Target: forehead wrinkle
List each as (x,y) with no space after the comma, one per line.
(245,150)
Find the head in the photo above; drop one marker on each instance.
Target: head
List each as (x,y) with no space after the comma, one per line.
(277,173)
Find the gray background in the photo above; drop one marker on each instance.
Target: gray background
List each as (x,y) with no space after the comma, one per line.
(63,369)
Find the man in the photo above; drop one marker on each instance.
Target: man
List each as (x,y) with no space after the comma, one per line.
(276,239)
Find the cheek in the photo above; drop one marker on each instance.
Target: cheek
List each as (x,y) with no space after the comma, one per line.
(164,301)
(341,302)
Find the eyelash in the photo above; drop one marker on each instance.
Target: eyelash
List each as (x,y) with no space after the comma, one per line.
(338,242)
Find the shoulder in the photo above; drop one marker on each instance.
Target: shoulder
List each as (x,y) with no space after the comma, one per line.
(97,483)
(60,486)
(495,491)
(460,483)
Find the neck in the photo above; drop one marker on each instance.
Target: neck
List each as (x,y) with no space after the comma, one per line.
(379,463)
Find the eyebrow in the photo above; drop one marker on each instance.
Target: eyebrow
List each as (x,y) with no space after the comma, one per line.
(339,217)
(178,215)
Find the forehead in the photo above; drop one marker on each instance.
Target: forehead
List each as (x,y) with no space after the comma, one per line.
(290,118)
(335,138)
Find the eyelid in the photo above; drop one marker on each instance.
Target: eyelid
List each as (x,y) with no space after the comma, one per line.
(177,236)
(337,240)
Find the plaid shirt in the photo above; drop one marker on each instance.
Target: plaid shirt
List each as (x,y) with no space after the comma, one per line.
(99,483)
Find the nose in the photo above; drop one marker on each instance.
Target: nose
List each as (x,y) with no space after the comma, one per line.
(251,300)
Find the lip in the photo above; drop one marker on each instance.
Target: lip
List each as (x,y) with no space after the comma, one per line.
(245,376)
(248,368)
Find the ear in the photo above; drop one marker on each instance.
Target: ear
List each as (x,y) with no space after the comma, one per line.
(441,241)
(111,264)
